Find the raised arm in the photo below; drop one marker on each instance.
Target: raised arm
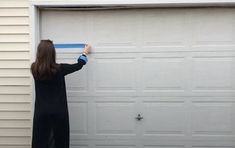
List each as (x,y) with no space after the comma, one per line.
(82,60)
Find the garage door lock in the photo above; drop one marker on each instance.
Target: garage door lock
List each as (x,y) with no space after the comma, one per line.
(139,117)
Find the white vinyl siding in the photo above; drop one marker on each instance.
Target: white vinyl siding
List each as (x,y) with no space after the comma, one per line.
(15,78)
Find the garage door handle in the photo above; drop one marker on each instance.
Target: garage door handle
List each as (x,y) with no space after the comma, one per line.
(139,117)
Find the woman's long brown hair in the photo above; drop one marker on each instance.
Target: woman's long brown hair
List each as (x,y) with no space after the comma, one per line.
(45,65)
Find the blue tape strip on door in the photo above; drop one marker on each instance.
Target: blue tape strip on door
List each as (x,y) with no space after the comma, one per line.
(69,45)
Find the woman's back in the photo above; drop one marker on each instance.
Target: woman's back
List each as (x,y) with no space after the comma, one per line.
(51,117)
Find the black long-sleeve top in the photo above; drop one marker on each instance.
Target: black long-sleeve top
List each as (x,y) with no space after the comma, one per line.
(51,117)
(51,95)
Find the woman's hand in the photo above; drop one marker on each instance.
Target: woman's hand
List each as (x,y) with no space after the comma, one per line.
(87,49)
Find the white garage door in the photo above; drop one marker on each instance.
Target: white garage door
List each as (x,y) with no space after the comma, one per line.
(174,67)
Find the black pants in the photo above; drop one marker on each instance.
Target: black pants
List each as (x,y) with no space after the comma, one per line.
(50,131)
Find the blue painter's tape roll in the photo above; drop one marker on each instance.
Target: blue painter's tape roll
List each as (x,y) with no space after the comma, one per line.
(69,45)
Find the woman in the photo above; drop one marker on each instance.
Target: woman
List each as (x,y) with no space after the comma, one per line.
(51,117)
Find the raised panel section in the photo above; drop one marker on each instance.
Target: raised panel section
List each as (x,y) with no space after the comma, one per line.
(163,146)
(163,73)
(212,27)
(78,146)
(163,28)
(212,73)
(115,118)
(115,28)
(214,146)
(78,112)
(77,81)
(212,118)
(72,28)
(164,118)
(115,73)
(115,146)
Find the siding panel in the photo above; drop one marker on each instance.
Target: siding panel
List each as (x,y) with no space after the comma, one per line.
(14,55)
(15,146)
(20,72)
(15,106)
(15,141)
(15,81)
(14,46)
(6,98)
(15,132)
(15,77)
(14,29)
(14,12)
(14,64)
(14,38)
(24,20)
(15,116)
(15,90)
(14,4)
(15,123)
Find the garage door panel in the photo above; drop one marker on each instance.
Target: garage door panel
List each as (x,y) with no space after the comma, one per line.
(79,146)
(213,118)
(70,54)
(121,32)
(213,72)
(115,146)
(78,112)
(164,118)
(209,146)
(115,73)
(59,26)
(77,81)
(115,118)
(106,48)
(212,48)
(159,48)
(174,66)
(116,143)
(163,146)
(215,144)
(213,27)
(167,28)
(163,73)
